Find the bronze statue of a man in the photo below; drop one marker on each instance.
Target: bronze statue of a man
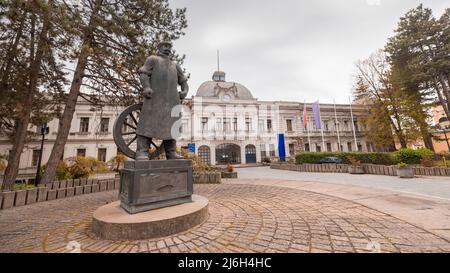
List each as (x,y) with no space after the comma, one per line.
(160,77)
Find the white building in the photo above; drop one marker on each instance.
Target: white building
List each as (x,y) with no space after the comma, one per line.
(224,121)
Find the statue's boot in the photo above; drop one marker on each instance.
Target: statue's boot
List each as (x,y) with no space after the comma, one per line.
(170,146)
(143,144)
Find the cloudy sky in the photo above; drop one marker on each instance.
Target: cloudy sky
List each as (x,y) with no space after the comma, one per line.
(288,49)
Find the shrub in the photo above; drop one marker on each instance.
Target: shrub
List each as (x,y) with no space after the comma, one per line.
(402,165)
(372,158)
(414,156)
(230,168)
(83,167)
(197,164)
(266,160)
(353,161)
(116,162)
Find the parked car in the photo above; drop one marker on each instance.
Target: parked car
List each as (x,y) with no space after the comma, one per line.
(330,159)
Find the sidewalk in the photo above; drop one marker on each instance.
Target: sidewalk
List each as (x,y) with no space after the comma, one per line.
(430,213)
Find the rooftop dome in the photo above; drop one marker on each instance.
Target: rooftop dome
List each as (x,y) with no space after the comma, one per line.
(218,86)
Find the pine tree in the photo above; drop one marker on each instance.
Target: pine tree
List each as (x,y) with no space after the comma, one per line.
(114,39)
(30,65)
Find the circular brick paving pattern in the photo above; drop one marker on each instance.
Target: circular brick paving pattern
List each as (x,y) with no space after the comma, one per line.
(242,218)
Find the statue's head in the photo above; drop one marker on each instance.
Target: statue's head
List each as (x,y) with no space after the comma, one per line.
(165,48)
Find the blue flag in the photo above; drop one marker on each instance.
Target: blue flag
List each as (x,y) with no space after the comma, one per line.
(316,115)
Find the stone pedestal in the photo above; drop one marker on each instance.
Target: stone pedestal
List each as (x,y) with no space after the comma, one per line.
(111,222)
(153,184)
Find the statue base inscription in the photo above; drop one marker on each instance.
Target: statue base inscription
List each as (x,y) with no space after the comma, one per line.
(152,184)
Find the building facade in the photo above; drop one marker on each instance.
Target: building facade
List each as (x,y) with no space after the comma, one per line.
(223,122)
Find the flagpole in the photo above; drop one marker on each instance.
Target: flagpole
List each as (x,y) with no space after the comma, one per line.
(353,124)
(307,126)
(309,138)
(321,128)
(337,126)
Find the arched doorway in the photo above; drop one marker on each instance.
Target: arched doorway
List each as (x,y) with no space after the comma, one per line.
(205,154)
(250,153)
(228,153)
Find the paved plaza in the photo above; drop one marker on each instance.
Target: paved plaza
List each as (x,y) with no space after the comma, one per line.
(245,215)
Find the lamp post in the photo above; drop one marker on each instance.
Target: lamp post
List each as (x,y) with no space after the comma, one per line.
(44,131)
(444,128)
(446,138)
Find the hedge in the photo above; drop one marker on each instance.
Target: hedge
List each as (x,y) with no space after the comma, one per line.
(372,158)
(408,156)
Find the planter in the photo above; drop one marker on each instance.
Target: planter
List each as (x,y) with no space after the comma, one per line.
(355,169)
(405,172)
(229,174)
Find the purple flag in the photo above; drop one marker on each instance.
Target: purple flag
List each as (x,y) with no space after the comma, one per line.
(316,114)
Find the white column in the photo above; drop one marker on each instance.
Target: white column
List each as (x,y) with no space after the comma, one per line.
(212,149)
(243,153)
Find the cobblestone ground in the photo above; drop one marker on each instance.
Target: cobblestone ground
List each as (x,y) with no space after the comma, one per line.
(242,218)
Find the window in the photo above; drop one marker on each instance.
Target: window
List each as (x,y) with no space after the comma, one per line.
(269,125)
(345,125)
(289,125)
(205,154)
(81,152)
(359,147)
(328,147)
(104,125)
(248,124)
(84,125)
(101,154)
(261,125)
(204,124)
(349,146)
(325,125)
(226,124)
(291,149)
(235,126)
(307,147)
(356,125)
(263,151)
(35,157)
(318,148)
(218,124)
(272,150)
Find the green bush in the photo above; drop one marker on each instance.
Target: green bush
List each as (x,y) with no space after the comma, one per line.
(414,156)
(372,158)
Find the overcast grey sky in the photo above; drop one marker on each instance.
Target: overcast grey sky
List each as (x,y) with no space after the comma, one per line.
(288,49)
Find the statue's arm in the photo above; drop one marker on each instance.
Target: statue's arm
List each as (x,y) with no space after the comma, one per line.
(182,81)
(144,75)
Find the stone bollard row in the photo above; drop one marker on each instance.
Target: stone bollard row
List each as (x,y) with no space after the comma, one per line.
(56,190)
(207,178)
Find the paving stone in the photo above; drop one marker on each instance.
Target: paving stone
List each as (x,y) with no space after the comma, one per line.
(61,193)
(42,194)
(31,196)
(8,199)
(21,198)
(55,185)
(110,185)
(95,187)
(103,185)
(70,192)
(79,190)
(243,218)
(87,189)
(51,195)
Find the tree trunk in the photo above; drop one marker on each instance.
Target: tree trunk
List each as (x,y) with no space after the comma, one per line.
(20,134)
(69,109)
